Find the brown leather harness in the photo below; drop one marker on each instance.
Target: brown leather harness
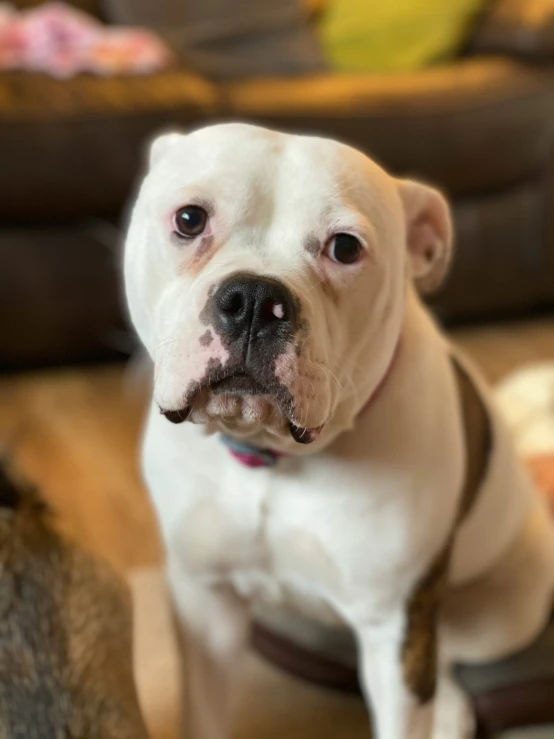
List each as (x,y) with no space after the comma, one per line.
(419,653)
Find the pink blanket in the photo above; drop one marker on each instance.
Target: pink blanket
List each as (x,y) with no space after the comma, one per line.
(63,41)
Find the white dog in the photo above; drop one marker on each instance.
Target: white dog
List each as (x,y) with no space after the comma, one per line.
(362,475)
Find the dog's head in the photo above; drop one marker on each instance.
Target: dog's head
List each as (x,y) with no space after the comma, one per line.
(266,274)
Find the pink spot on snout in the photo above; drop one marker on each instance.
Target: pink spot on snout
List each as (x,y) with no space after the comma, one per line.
(278,310)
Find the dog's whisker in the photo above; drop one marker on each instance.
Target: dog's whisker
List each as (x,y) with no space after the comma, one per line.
(165,343)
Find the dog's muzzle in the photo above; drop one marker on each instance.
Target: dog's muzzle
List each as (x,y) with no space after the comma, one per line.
(256,319)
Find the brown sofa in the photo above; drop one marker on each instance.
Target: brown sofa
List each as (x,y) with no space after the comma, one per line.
(481,127)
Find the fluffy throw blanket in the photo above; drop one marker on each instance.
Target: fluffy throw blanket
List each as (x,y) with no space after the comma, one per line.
(62,41)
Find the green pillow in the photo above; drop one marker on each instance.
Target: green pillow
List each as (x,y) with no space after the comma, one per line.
(394,35)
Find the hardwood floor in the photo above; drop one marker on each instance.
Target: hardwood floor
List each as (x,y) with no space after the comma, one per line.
(76,434)
(499,349)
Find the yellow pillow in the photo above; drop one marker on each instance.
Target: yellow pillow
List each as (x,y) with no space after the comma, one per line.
(394,35)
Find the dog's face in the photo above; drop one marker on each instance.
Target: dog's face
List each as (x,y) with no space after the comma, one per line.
(266,275)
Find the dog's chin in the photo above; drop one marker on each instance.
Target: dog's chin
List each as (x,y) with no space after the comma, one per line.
(240,411)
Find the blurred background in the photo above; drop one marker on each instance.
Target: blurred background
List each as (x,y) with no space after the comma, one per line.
(459,93)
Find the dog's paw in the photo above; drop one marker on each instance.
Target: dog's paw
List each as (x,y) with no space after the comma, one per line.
(454,715)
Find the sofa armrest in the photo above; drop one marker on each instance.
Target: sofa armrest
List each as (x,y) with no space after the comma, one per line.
(522,28)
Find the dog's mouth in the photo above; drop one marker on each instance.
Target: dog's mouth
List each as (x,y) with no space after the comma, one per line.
(239,384)
(242,385)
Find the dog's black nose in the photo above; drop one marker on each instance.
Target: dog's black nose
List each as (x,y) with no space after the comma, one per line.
(255,309)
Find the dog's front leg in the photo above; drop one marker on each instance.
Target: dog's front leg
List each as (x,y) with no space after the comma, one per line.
(402,707)
(213,623)
(398,660)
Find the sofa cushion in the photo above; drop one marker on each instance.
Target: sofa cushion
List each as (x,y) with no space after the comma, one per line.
(476,124)
(500,264)
(222,39)
(395,36)
(522,27)
(60,294)
(72,148)
(89,6)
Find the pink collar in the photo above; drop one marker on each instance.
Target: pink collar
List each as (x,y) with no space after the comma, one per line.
(250,455)
(253,456)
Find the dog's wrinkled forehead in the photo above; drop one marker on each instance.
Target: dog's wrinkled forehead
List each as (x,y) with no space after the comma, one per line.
(258,177)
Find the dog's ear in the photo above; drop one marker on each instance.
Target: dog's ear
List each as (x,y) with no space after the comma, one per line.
(162,144)
(428,233)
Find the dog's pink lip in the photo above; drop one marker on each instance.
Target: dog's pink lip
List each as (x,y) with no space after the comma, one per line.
(300,434)
(241,384)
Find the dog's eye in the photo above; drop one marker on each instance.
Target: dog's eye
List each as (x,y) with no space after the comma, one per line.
(190,221)
(344,249)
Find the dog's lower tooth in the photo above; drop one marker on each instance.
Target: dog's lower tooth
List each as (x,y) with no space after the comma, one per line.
(303,435)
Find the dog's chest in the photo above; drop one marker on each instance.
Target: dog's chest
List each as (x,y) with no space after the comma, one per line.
(250,534)
(304,534)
